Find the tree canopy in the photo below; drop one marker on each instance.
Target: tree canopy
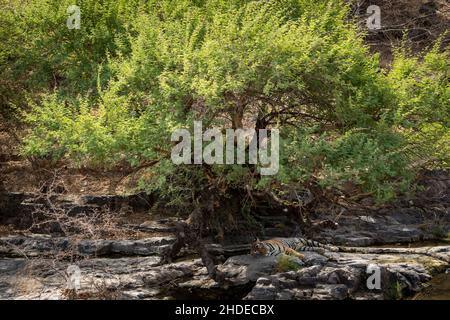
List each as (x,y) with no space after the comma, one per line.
(111,92)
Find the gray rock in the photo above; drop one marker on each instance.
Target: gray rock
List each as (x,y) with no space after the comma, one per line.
(39,245)
(131,278)
(313,258)
(403,225)
(229,250)
(344,275)
(10,266)
(330,292)
(157,226)
(242,269)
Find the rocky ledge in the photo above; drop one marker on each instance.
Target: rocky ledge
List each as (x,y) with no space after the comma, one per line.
(47,246)
(348,275)
(46,267)
(402,272)
(136,274)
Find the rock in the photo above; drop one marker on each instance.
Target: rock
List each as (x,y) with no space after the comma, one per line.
(330,292)
(263,290)
(35,245)
(10,205)
(312,258)
(167,273)
(368,219)
(13,202)
(126,278)
(8,266)
(404,224)
(157,226)
(228,251)
(338,275)
(136,202)
(143,247)
(360,241)
(344,275)
(242,269)
(120,265)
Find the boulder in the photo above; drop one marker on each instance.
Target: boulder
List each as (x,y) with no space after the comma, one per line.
(245,268)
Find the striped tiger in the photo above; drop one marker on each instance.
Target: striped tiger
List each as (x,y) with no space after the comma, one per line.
(289,246)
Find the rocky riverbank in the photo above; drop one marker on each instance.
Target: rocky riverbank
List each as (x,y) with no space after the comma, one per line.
(41,263)
(136,273)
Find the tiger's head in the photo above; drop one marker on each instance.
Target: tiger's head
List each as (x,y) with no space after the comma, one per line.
(258,248)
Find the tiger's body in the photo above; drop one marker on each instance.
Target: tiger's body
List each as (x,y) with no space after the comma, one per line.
(289,246)
(292,246)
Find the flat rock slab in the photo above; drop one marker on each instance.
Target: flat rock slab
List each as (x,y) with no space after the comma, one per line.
(42,245)
(123,278)
(404,225)
(320,276)
(403,271)
(34,267)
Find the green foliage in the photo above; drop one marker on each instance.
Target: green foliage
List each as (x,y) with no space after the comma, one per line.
(112,92)
(39,53)
(372,159)
(177,185)
(423,108)
(395,291)
(287,263)
(104,136)
(439,232)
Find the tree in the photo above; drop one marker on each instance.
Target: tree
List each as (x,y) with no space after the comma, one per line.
(298,65)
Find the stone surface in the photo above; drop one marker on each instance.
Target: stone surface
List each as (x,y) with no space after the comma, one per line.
(245,268)
(133,278)
(344,275)
(130,269)
(401,226)
(43,245)
(329,275)
(34,266)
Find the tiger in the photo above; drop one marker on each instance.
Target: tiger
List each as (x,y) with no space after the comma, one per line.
(292,246)
(289,246)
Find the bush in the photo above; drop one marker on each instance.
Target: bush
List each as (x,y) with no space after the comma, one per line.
(423,95)
(39,54)
(134,73)
(287,263)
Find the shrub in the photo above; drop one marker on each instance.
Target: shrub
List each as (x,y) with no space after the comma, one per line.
(287,263)
(423,95)
(301,67)
(38,53)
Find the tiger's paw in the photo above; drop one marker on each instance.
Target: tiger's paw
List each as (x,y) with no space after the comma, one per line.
(294,253)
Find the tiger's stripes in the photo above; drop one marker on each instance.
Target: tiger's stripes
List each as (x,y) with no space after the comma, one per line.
(303,244)
(290,246)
